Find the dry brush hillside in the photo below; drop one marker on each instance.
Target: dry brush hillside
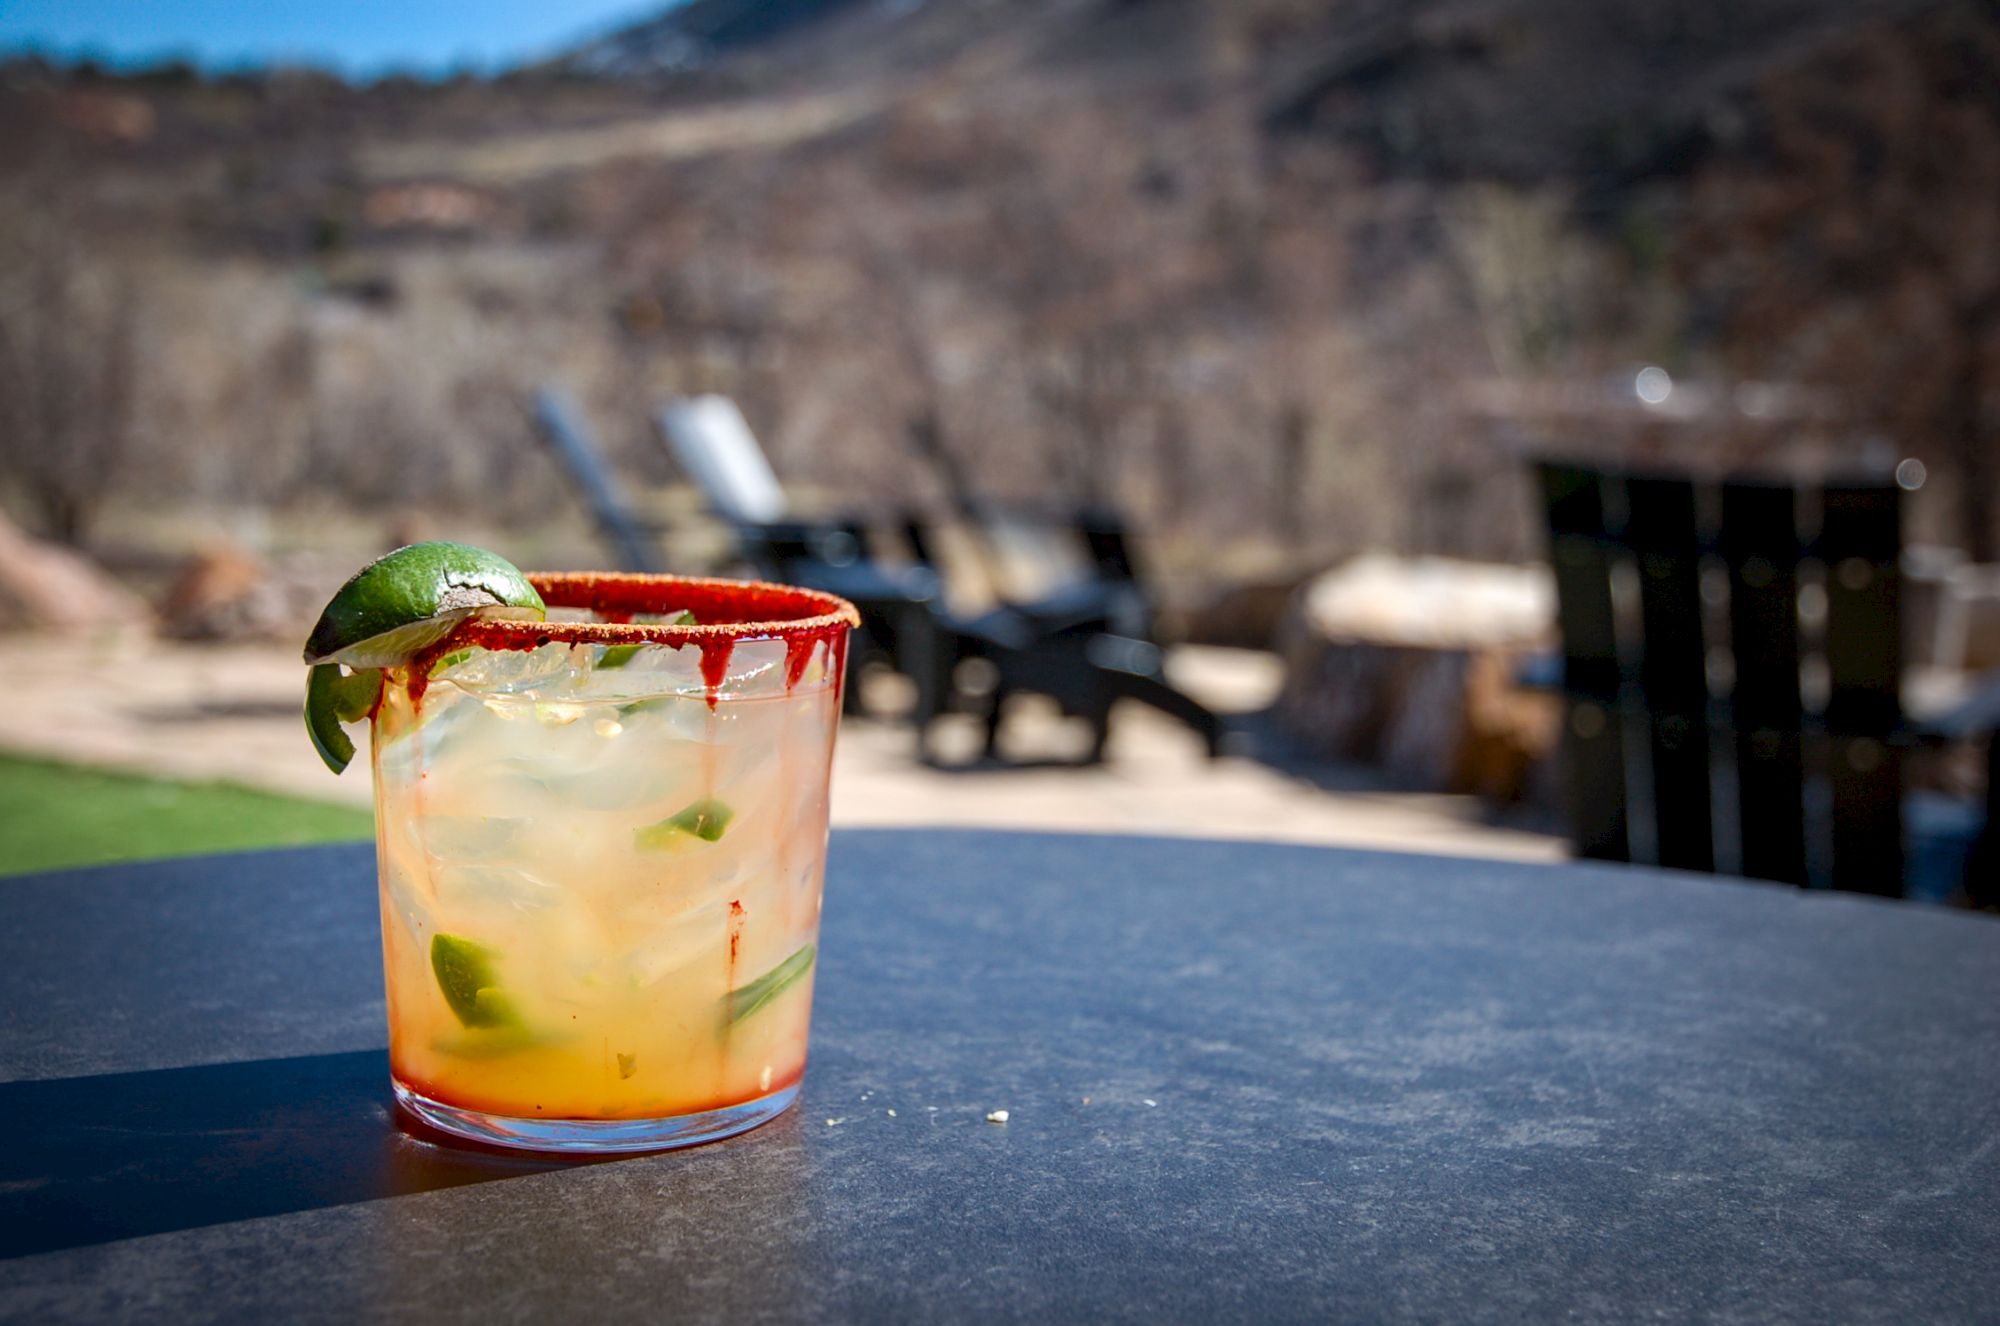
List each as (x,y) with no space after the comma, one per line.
(1284,279)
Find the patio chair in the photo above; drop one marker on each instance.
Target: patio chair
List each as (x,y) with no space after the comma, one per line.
(1068,645)
(894,607)
(1105,599)
(1819,787)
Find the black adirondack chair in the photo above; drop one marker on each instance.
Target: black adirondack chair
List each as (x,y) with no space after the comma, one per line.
(1819,786)
(1097,637)
(1086,645)
(1100,623)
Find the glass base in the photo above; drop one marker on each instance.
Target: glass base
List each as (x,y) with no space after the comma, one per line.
(597,1137)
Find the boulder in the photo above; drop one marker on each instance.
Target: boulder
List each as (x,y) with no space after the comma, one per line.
(226,592)
(44,586)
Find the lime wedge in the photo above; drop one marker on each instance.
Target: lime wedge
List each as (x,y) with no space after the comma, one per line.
(494,1008)
(706,819)
(743,1002)
(333,699)
(465,974)
(400,604)
(387,613)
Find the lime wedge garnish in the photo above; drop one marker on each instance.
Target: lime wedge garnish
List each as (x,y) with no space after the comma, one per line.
(706,819)
(400,604)
(465,974)
(333,699)
(742,1003)
(390,611)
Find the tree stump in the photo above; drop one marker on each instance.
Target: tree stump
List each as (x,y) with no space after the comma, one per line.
(1408,665)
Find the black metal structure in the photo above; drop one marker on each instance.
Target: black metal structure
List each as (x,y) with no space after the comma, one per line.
(1761,547)
(1660,531)
(1593,735)
(1710,690)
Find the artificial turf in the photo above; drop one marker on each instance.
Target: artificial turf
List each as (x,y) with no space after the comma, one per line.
(53,816)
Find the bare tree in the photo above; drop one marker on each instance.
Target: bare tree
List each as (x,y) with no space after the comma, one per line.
(1852,241)
(68,371)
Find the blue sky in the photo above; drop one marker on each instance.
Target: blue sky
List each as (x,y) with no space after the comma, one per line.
(359,37)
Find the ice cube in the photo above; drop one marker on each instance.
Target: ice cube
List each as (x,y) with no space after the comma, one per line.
(597,761)
(485,887)
(442,724)
(650,670)
(756,668)
(409,904)
(665,718)
(539,928)
(552,713)
(593,785)
(467,838)
(514,671)
(677,941)
(399,761)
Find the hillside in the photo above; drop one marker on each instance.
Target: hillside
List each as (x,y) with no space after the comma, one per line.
(1258,270)
(699,35)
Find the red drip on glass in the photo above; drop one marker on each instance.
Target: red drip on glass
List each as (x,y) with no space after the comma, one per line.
(715,665)
(798,654)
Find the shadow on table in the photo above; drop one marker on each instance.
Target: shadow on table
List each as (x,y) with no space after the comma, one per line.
(93,1159)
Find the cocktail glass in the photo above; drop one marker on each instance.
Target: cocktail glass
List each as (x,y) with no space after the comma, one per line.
(601,840)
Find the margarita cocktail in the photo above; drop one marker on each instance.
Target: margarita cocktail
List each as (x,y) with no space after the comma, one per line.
(601,838)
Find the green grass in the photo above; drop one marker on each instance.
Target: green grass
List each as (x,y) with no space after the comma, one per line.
(53,816)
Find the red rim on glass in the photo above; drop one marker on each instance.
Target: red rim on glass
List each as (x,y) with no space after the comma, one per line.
(728,612)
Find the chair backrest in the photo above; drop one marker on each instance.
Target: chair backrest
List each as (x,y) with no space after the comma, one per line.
(1033,554)
(713,443)
(1733,571)
(561,424)
(1593,730)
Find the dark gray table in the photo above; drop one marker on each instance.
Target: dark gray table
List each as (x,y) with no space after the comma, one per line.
(1246,1082)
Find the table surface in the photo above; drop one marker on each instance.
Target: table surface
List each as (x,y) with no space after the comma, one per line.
(1246,1082)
